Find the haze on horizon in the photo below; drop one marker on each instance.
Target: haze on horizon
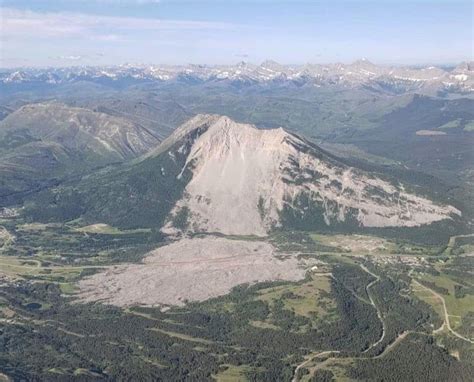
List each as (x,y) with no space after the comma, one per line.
(111,32)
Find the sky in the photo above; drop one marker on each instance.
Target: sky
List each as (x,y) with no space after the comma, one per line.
(111,32)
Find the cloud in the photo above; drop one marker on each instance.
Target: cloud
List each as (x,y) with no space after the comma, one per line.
(29,25)
(68,58)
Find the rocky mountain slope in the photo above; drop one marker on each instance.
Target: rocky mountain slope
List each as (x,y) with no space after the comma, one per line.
(158,114)
(78,129)
(244,178)
(41,143)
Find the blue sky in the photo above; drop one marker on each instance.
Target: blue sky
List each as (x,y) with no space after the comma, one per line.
(96,32)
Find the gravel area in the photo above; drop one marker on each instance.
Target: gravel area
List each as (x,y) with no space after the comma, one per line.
(190,270)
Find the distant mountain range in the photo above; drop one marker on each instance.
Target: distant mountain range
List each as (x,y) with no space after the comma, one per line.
(361,73)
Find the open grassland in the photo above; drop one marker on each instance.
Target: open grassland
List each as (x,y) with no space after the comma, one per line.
(454,245)
(428,297)
(182,336)
(457,307)
(19,268)
(469,126)
(451,295)
(74,245)
(455,123)
(337,366)
(16,269)
(28,227)
(232,373)
(361,245)
(355,243)
(6,238)
(106,229)
(306,299)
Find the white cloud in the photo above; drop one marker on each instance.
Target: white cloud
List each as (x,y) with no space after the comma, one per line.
(27,24)
(68,58)
(48,38)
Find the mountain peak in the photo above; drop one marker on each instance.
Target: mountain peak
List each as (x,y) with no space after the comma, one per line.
(467,66)
(218,126)
(200,121)
(363,63)
(272,65)
(246,180)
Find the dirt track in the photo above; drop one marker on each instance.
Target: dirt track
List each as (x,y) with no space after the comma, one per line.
(446,323)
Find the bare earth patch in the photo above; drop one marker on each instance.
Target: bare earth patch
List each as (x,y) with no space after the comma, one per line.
(355,243)
(429,132)
(190,270)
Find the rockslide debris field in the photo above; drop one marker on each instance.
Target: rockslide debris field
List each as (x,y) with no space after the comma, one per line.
(190,270)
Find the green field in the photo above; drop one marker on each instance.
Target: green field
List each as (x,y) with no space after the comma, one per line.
(17,268)
(451,124)
(456,306)
(232,373)
(469,126)
(106,229)
(304,299)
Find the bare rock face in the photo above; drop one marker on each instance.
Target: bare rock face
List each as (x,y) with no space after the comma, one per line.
(243,178)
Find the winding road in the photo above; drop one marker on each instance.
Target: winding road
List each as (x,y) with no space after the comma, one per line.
(310,358)
(372,302)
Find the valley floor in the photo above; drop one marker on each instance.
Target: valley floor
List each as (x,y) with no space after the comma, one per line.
(312,306)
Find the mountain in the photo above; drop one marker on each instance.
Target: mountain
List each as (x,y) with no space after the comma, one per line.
(361,73)
(160,115)
(216,175)
(244,179)
(42,143)
(111,138)
(4,111)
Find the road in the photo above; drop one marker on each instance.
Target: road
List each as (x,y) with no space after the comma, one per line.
(446,324)
(372,302)
(452,242)
(379,314)
(6,237)
(65,267)
(309,359)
